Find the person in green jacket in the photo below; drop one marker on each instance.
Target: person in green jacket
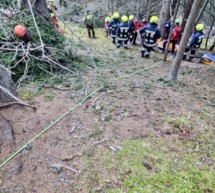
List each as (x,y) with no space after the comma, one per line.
(89,22)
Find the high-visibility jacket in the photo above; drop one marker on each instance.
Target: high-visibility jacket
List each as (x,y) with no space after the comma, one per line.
(196,39)
(131,26)
(150,34)
(88,20)
(113,25)
(52,8)
(167,25)
(123,31)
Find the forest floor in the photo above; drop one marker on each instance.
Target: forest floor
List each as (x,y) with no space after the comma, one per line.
(140,133)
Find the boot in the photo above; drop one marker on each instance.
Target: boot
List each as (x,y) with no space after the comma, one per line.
(142,53)
(184,57)
(190,59)
(94,36)
(107,34)
(89,35)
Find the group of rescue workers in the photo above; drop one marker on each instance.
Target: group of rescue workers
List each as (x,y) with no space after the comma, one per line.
(128,28)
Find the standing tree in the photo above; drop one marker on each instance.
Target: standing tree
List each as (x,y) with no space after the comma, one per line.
(187,10)
(164,15)
(212,47)
(38,5)
(185,38)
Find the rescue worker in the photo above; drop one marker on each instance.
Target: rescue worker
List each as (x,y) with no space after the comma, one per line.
(175,36)
(149,34)
(123,31)
(89,22)
(113,25)
(167,26)
(23,33)
(136,31)
(107,21)
(194,42)
(132,28)
(52,8)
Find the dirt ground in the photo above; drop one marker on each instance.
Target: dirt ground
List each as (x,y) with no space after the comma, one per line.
(133,104)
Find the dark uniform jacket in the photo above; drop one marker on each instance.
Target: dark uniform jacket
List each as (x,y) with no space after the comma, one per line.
(123,31)
(150,34)
(113,25)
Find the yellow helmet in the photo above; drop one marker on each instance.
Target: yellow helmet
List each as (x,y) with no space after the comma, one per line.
(116,15)
(178,21)
(154,19)
(107,19)
(131,17)
(124,18)
(200,27)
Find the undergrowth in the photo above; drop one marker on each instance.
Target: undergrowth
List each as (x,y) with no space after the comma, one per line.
(57,47)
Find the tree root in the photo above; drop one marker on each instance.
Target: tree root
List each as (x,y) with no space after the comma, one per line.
(16,103)
(55,87)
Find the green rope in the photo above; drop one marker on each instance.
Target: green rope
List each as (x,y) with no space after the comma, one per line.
(68,112)
(47,128)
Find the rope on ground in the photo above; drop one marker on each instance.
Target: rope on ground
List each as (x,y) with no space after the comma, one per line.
(142,70)
(68,112)
(47,128)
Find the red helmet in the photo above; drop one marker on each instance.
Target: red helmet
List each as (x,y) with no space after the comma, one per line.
(20,30)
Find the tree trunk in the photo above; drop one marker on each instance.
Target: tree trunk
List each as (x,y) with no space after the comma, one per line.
(148,11)
(7,83)
(172,7)
(202,10)
(212,47)
(186,12)
(164,15)
(38,5)
(138,9)
(209,32)
(185,38)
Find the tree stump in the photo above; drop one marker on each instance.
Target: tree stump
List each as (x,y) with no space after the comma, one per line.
(8,145)
(7,83)
(7,142)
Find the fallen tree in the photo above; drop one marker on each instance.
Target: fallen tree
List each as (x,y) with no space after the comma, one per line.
(49,52)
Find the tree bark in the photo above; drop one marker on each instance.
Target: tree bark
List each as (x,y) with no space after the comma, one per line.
(202,10)
(186,12)
(7,83)
(173,6)
(38,5)
(148,10)
(164,15)
(209,32)
(212,47)
(185,38)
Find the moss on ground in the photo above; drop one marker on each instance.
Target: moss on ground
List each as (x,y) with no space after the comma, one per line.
(156,165)
(165,168)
